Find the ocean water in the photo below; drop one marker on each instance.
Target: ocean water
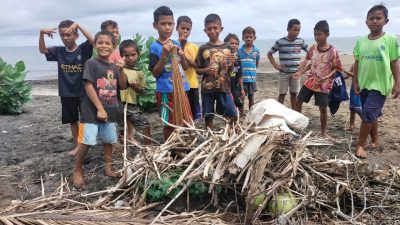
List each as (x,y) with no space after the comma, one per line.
(39,69)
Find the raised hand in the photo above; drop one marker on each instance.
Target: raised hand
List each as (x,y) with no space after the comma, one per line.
(48,31)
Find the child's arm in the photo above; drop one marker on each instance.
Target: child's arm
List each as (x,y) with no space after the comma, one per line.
(181,55)
(91,93)
(123,80)
(166,50)
(88,36)
(299,72)
(330,74)
(394,65)
(242,93)
(42,45)
(355,78)
(257,59)
(277,66)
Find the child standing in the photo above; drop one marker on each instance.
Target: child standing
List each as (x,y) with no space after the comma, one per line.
(325,62)
(112,27)
(249,57)
(137,84)
(289,48)
(161,67)
(237,89)
(100,104)
(215,62)
(355,103)
(71,59)
(184,27)
(376,74)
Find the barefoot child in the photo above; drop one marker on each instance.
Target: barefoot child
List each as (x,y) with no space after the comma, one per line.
(71,59)
(324,64)
(100,104)
(355,103)
(376,74)
(137,84)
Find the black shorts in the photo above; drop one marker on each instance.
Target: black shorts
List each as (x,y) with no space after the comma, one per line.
(70,109)
(305,94)
(194,101)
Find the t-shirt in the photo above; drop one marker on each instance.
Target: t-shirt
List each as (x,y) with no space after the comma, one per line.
(289,53)
(104,77)
(235,76)
(249,64)
(70,67)
(129,95)
(214,55)
(191,53)
(322,63)
(374,57)
(115,56)
(164,80)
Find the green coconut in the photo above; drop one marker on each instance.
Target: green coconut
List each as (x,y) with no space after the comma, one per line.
(258,200)
(281,203)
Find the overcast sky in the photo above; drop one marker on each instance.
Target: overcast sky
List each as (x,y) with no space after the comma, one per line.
(20,20)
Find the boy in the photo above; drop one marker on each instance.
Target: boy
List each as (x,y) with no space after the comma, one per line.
(249,57)
(324,64)
(112,27)
(70,59)
(237,89)
(100,104)
(215,62)
(130,53)
(160,65)
(184,27)
(355,103)
(289,48)
(376,74)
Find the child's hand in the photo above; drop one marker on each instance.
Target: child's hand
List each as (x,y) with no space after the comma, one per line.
(212,71)
(243,94)
(396,90)
(296,75)
(167,47)
(135,86)
(279,67)
(120,63)
(230,59)
(102,115)
(356,88)
(181,53)
(72,28)
(48,31)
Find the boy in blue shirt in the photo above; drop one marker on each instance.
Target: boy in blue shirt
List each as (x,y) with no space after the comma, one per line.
(161,67)
(70,59)
(249,57)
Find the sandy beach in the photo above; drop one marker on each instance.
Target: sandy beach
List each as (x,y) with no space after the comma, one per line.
(35,143)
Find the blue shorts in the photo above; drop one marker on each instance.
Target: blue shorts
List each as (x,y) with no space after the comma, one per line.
(372,103)
(89,133)
(225,104)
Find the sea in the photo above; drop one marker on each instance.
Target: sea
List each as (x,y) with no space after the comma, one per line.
(39,69)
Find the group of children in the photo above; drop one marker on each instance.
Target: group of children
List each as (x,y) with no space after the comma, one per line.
(91,89)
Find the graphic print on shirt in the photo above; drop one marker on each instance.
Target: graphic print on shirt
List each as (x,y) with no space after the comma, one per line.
(108,89)
(217,59)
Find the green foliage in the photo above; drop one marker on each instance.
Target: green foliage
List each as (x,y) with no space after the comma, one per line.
(147,100)
(14,91)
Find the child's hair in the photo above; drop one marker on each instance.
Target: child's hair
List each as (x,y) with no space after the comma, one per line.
(231,36)
(212,18)
(380,7)
(162,11)
(66,24)
(322,26)
(184,19)
(126,44)
(292,22)
(248,30)
(106,33)
(107,23)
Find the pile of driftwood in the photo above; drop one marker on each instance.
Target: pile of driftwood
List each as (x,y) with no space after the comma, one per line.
(252,161)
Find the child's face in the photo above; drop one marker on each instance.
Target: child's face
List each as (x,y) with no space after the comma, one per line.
(234,44)
(213,29)
(184,30)
(376,20)
(104,46)
(294,31)
(67,37)
(249,39)
(113,30)
(131,56)
(320,37)
(164,26)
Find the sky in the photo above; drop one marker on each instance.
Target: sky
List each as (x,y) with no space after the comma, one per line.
(21,20)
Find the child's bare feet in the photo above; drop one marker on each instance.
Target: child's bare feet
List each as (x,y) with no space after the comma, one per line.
(73,152)
(360,152)
(351,128)
(108,171)
(78,179)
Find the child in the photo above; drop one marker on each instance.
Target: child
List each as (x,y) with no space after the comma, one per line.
(249,57)
(160,65)
(99,106)
(236,78)
(184,27)
(112,27)
(324,64)
(289,48)
(130,53)
(215,62)
(376,74)
(355,103)
(70,59)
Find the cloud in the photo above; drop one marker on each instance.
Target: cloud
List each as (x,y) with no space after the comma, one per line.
(346,22)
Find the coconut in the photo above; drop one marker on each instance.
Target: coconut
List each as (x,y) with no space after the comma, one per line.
(258,200)
(281,203)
